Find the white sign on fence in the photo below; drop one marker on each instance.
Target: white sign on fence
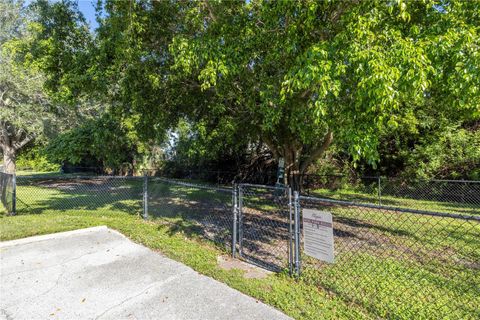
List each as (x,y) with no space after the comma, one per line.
(318,234)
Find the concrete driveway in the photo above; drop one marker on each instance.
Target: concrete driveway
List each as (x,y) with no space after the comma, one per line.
(97,273)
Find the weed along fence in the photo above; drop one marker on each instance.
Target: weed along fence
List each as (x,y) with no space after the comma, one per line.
(397,262)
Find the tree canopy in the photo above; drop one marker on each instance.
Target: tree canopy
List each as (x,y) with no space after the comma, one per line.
(25,111)
(306,73)
(296,76)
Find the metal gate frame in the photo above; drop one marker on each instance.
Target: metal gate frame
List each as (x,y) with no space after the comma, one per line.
(293,223)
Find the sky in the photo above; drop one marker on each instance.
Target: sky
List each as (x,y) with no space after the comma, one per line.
(87,7)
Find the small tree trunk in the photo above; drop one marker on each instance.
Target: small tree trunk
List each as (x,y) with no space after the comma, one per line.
(9,157)
(293,175)
(295,179)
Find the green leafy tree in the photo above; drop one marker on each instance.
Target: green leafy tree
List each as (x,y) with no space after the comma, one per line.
(122,68)
(295,75)
(206,146)
(101,142)
(304,74)
(455,154)
(30,108)
(25,111)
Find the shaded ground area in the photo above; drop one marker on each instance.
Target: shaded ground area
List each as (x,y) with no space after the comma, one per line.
(99,274)
(37,194)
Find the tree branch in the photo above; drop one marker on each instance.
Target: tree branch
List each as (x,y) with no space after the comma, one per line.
(27,139)
(4,138)
(209,9)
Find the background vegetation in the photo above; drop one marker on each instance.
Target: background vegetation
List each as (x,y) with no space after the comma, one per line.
(337,87)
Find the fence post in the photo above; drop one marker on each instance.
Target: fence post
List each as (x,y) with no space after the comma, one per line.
(145,195)
(291,236)
(14,194)
(379,191)
(235,220)
(297,233)
(240,220)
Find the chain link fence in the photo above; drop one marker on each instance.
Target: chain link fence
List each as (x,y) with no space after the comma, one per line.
(43,193)
(7,193)
(398,263)
(458,196)
(265,226)
(197,210)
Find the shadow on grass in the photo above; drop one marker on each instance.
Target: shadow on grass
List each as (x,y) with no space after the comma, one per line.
(94,194)
(208,214)
(193,212)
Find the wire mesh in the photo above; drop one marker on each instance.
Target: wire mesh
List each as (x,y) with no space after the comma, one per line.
(196,210)
(458,196)
(39,194)
(265,226)
(399,263)
(6,193)
(455,196)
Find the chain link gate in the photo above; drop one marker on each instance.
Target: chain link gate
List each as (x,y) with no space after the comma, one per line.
(264,226)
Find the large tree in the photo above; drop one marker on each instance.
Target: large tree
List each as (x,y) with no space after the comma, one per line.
(306,73)
(24,109)
(295,75)
(27,110)
(124,67)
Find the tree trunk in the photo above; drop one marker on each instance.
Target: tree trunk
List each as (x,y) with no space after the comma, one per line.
(296,163)
(293,174)
(9,157)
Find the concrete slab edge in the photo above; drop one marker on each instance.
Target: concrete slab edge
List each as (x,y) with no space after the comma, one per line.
(49,236)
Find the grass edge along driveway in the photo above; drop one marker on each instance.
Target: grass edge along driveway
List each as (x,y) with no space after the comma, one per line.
(295,298)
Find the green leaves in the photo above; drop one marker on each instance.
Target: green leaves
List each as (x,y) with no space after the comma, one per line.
(103,142)
(289,72)
(304,67)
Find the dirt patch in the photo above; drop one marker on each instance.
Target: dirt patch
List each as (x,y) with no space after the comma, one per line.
(250,271)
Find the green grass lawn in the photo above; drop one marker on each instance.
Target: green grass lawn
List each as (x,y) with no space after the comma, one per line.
(387,265)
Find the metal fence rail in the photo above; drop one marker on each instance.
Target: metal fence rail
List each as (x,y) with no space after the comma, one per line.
(265,226)
(399,263)
(460,196)
(396,261)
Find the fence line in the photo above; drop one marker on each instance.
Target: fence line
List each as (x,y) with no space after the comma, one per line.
(387,259)
(189,184)
(390,208)
(397,263)
(195,209)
